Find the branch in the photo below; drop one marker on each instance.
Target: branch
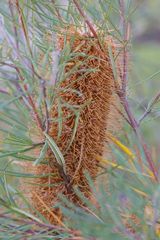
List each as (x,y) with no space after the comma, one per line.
(149,108)
(85,18)
(122,93)
(31,102)
(126,36)
(20,13)
(57,11)
(10,3)
(43,86)
(3,91)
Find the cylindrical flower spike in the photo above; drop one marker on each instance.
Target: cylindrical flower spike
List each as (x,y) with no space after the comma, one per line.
(79,120)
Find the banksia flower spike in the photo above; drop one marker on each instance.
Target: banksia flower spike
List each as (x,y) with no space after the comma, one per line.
(79,120)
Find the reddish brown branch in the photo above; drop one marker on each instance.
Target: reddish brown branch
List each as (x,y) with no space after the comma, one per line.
(20,13)
(4,91)
(10,3)
(149,108)
(57,11)
(45,105)
(125,31)
(122,94)
(85,18)
(30,100)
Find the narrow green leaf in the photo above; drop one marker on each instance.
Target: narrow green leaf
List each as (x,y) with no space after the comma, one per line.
(112,62)
(23,175)
(56,151)
(42,154)
(60,117)
(74,130)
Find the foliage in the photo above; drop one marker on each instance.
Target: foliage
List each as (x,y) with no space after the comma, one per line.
(126,195)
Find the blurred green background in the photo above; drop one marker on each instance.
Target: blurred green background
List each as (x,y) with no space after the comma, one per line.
(144,79)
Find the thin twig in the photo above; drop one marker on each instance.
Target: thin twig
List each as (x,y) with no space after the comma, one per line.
(135,127)
(122,92)
(121,113)
(20,13)
(45,104)
(25,32)
(85,18)
(3,91)
(34,72)
(57,11)
(31,102)
(14,25)
(125,30)
(149,108)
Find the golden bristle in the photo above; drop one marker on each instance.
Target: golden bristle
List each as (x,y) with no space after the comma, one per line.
(92,99)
